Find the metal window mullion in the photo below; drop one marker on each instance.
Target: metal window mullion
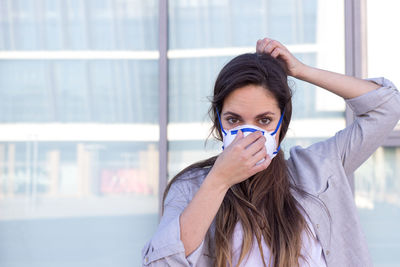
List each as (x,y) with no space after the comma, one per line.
(349,49)
(355,38)
(355,49)
(163,99)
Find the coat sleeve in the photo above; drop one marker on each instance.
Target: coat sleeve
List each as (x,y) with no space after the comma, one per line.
(376,114)
(166,248)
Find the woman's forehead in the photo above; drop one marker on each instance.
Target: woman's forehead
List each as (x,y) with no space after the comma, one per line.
(251,99)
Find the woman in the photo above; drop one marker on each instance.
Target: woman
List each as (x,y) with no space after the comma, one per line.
(249,206)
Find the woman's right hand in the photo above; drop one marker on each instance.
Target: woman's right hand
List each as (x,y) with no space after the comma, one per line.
(239,160)
(235,164)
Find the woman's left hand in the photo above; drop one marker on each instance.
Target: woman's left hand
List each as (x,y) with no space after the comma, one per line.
(277,50)
(339,84)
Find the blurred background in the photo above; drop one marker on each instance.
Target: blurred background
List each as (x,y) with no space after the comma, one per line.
(103,101)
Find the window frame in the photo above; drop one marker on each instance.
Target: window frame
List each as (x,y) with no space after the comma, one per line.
(355,65)
(356,53)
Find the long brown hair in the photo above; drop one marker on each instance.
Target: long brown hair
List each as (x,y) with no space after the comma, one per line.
(262,203)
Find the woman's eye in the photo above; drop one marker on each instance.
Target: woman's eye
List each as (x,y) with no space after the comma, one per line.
(264,121)
(232,120)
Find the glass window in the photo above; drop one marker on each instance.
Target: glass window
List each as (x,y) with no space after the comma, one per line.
(22,16)
(205,35)
(23,92)
(79,25)
(377,181)
(78,134)
(377,198)
(382,44)
(78,91)
(199,24)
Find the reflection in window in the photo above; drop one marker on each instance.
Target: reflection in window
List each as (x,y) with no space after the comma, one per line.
(79,91)
(377,196)
(204,35)
(78,169)
(78,131)
(201,24)
(79,25)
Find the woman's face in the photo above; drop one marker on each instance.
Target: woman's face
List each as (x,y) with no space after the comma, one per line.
(251,104)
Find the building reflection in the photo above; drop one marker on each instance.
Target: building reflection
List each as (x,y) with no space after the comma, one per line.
(377,180)
(40,174)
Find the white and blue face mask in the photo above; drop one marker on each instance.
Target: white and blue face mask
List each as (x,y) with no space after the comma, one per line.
(270,142)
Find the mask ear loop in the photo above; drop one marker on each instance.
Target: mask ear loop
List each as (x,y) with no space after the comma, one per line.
(220,123)
(277,128)
(279,123)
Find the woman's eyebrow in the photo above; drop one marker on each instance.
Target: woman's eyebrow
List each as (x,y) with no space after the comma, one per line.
(232,114)
(265,113)
(237,115)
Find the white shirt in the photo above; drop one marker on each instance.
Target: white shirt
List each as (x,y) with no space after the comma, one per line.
(311,250)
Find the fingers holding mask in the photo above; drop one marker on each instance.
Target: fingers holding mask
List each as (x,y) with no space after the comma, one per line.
(250,139)
(253,150)
(256,146)
(240,159)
